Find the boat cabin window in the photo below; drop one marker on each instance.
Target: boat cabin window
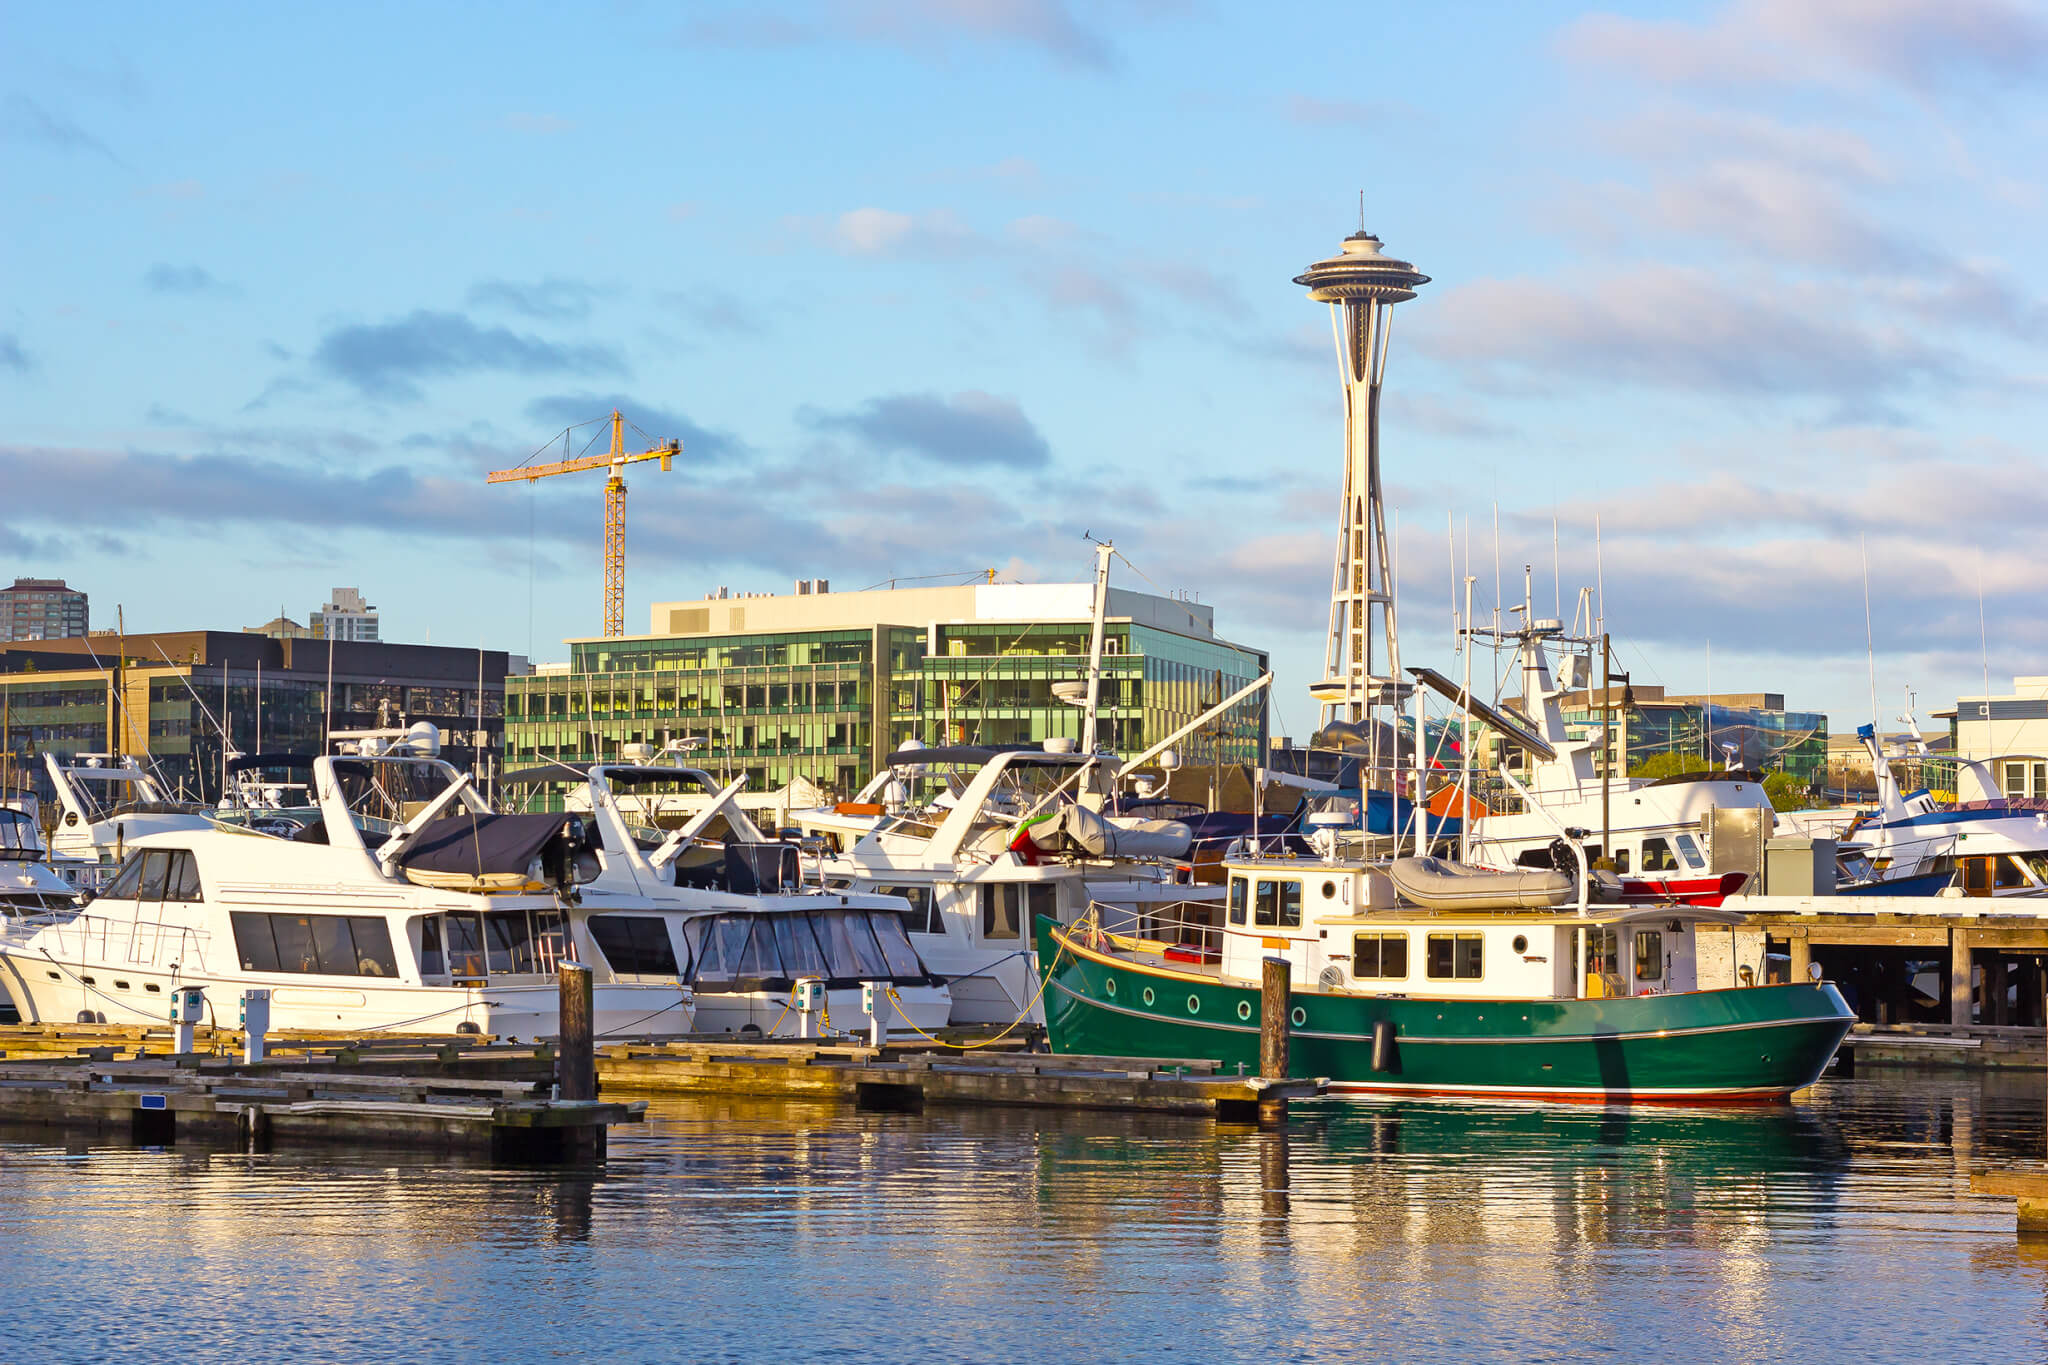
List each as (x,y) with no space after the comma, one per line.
(635,945)
(1621,860)
(1278,905)
(466,945)
(1689,849)
(325,945)
(1603,962)
(433,962)
(1649,955)
(925,915)
(1657,856)
(1456,957)
(1382,957)
(156,874)
(1000,917)
(1237,900)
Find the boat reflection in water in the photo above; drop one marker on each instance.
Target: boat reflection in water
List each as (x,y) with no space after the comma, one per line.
(1407,1230)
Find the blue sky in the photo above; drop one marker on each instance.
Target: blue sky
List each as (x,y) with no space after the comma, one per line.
(928,286)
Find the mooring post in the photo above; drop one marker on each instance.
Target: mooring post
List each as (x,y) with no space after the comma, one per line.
(1274,1004)
(576,1058)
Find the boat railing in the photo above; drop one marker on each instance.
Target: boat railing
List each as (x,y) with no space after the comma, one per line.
(87,937)
(1168,928)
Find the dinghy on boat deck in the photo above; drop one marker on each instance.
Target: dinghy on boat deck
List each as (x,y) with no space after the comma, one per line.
(1441,884)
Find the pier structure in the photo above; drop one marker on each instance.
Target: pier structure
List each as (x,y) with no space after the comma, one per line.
(1361,284)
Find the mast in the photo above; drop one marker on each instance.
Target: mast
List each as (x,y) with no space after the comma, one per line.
(1104,551)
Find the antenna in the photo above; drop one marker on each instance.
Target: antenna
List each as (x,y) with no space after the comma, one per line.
(1869,640)
(1361,210)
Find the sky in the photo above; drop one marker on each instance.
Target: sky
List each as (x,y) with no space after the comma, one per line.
(931,287)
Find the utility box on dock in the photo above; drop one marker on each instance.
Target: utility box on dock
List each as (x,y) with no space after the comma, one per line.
(1735,838)
(1799,865)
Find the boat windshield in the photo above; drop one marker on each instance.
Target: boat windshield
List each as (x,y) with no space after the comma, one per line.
(755,950)
(18,836)
(381,794)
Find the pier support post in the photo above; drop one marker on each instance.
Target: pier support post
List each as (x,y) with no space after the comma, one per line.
(1274,1029)
(1802,956)
(1959,977)
(576,1057)
(1994,990)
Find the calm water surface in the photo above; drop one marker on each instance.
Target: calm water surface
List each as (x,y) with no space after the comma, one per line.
(1840,1229)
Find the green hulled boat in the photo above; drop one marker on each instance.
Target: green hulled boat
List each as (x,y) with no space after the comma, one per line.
(1603,1005)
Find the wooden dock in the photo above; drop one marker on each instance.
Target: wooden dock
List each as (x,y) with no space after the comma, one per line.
(161,1100)
(911,1076)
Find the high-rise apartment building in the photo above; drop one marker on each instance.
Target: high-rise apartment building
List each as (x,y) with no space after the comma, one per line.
(346,616)
(42,609)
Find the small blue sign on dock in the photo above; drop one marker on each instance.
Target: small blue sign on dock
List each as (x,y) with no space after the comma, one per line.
(154,1102)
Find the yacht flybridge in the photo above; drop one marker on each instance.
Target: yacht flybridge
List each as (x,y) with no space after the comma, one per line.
(27,885)
(399,901)
(719,905)
(105,802)
(1010,838)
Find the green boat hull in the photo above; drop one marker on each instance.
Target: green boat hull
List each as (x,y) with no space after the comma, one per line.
(1751,1044)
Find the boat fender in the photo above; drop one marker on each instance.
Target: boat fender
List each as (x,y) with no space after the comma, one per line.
(1384,1058)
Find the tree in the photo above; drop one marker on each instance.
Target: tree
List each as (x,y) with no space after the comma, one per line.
(1669,765)
(1787,792)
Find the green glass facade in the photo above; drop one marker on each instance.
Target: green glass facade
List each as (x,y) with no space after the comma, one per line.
(829,705)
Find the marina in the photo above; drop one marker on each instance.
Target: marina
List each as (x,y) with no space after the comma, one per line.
(724,683)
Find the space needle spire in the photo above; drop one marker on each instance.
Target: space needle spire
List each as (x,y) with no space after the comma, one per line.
(1361,284)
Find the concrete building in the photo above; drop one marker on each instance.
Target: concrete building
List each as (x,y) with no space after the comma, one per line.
(823,685)
(2011,728)
(345,616)
(172,695)
(280,628)
(42,609)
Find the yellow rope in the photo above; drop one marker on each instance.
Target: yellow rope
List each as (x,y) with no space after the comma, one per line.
(1044,980)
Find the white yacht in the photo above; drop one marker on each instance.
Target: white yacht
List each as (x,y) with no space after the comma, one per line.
(716,903)
(27,885)
(1985,843)
(1007,840)
(400,903)
(1654,834)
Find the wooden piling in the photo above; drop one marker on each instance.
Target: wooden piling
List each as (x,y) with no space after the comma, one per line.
(1275,1000)
(576,1057)
(1959,976)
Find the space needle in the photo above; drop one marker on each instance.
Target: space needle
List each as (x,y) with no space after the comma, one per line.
(1361,284)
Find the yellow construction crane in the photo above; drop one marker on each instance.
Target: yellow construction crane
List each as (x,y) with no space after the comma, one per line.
(614,507)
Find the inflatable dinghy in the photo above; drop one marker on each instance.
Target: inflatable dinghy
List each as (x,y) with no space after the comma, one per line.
(1439,884)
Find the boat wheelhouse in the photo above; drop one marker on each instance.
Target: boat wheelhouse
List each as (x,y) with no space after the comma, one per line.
(403,903)
(715,903)
(1597,1003)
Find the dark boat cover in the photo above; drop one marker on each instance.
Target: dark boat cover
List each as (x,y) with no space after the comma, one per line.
(481,845)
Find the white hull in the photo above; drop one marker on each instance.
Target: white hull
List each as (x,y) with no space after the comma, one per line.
(57,992)
(768,1012)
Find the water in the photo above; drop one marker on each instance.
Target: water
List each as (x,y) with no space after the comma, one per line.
(1842,1228)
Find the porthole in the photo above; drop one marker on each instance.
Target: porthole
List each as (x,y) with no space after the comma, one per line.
(1109,988)
(90,981)
(1194,1005)
(1244,1009)
(1300,1016)
(1329,891)
(1148,995)
(53,976)
(152,988)
(1521,944)
(123,986)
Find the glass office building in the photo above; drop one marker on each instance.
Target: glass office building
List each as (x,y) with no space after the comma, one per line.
(822,686)
(1753,728)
